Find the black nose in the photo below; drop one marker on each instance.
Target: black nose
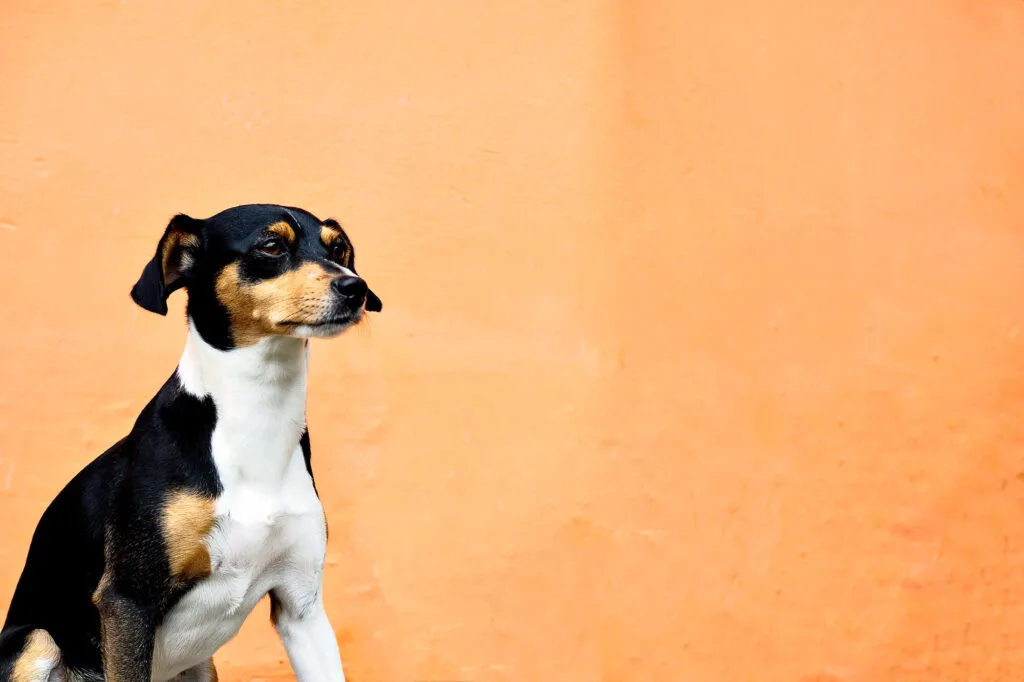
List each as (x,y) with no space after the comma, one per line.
(350,287)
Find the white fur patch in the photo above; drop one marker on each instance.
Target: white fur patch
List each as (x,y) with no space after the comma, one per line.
(270,530)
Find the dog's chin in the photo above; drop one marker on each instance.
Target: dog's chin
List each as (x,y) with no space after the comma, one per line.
(328,328)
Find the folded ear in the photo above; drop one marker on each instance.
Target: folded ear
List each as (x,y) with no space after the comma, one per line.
(176,256)
(373,302)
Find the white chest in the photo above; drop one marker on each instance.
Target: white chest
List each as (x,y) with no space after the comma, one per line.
(263,539)
(270,531)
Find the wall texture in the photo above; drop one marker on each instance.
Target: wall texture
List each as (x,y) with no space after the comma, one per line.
(702,351)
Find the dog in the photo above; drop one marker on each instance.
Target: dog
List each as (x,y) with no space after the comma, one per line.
(151,558)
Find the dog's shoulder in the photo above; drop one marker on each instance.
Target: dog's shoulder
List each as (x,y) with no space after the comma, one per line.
(164,502)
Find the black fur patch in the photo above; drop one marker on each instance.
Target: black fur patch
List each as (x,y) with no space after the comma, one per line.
(114,502)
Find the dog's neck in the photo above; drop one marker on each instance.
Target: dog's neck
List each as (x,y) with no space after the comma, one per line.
(259,393)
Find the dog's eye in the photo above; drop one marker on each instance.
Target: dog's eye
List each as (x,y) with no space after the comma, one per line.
(272,247)
(338,251)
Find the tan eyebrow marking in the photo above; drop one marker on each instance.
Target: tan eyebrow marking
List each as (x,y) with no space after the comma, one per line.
(330,234)
(283,230)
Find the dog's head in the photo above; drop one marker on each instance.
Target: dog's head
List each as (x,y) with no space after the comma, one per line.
(255,271)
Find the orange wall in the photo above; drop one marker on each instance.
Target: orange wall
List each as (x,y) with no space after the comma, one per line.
(701,356)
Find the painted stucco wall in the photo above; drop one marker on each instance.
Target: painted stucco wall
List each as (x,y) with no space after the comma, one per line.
(702,351)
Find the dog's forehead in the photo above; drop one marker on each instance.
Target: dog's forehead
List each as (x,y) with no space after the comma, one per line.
(240,225)
(242,220)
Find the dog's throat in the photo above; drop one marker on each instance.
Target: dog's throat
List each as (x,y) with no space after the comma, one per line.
(259,394)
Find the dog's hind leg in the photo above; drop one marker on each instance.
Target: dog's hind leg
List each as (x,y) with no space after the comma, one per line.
(36,660)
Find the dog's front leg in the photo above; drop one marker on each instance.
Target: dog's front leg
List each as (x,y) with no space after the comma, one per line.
(307,636)
(128,630)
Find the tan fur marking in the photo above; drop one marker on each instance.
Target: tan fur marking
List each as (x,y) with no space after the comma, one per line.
(180,243)
(100,588)
(298,296)
(283,230)
(38,646)
(187,520)
(328,235)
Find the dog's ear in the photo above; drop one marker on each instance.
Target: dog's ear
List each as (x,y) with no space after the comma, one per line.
(373,302)
(176,256)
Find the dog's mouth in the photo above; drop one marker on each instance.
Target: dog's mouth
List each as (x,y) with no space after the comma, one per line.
(334,322)
(337,320)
